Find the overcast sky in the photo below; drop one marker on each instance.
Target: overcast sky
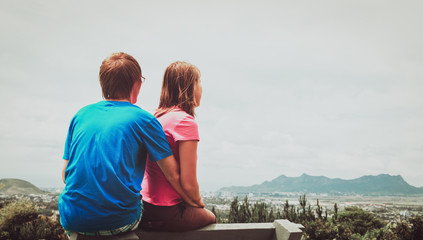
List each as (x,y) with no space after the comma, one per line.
(331,88)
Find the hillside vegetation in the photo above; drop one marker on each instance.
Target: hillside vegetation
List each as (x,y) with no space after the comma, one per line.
(351,223)
(12,186)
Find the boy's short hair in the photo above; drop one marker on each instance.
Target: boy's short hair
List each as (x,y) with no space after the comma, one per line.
(118,73)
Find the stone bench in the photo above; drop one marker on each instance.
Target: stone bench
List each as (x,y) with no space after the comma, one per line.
(278,230)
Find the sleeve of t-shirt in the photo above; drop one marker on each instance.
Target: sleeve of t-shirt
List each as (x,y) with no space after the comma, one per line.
(155,141)
(68,141)
(186,130)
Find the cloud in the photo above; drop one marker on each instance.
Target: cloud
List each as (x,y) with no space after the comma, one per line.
(326,88)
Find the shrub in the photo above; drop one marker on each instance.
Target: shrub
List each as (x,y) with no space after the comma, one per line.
(359,221)
(412,229)
(319,230)
(20,220)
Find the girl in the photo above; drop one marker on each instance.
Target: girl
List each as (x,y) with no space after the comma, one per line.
(164,208)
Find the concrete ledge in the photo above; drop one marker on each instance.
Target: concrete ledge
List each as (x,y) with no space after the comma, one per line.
(278,230)
(287,230)
(124,236)
(251,231)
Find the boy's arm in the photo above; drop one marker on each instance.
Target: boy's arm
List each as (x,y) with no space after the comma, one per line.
(170,169)
(63,170)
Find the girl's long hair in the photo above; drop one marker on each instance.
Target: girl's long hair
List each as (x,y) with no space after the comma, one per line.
(178,88)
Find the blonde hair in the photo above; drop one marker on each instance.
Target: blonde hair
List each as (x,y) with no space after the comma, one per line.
(178,88)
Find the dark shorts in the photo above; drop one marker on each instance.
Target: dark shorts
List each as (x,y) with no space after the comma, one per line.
(177,218)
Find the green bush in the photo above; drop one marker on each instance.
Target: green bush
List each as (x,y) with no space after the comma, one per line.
(319,230)
(359,221)
(16,213)
(21,220)
(352,223)
(381,234)
(412,229)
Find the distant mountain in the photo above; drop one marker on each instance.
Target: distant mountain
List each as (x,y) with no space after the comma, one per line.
(382,184)
(11,186)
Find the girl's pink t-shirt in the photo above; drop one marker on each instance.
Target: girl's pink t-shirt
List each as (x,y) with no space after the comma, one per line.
(178,126)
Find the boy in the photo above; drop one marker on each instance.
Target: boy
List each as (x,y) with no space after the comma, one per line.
(105,153)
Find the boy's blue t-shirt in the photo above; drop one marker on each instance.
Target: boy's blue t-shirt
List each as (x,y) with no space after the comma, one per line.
(107,146)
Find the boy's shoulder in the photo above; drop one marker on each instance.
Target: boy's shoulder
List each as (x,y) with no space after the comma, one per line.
(114,107)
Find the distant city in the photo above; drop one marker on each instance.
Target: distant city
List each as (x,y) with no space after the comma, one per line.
(392,200)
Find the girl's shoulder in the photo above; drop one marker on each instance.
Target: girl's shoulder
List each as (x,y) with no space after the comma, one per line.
(180,125)
(175,114)
(176,118)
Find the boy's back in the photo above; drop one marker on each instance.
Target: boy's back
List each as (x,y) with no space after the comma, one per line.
(107,146)
(105,154)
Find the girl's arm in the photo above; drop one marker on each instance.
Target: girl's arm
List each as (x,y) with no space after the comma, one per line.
(170,169)
(188,169)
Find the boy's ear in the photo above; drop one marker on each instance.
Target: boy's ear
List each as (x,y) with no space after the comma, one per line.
(135,92)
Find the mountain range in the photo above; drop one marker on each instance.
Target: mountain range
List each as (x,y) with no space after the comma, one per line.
(12,186)
(383,184)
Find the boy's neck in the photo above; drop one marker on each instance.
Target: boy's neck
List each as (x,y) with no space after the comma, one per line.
(117,100)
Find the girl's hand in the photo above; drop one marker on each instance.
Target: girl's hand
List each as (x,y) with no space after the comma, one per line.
(199,203)
(190,202)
